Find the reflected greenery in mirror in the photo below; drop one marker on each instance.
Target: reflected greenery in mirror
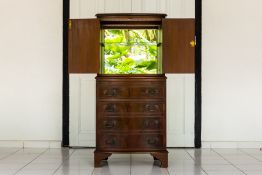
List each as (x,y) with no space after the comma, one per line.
(129,51)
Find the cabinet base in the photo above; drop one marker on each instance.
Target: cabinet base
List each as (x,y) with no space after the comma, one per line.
(162,156)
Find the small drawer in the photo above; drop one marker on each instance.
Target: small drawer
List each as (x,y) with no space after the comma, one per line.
(150,141)
(112,92)
(131,124)
(113,108)
(154,108)
(112,141)
(147,92)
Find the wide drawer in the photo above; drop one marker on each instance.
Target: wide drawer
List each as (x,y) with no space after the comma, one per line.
(130,107)
(130,141)
(117,124)
(116,92)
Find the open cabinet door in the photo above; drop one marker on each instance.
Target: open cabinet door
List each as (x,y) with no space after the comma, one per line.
(84,46)
(178,45)
(178,65)
(84,59)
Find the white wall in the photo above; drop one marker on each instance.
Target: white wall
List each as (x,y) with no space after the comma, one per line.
(31,70)
(232,69)
(174,8)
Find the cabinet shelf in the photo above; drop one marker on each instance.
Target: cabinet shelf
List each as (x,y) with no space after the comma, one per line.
(131,44)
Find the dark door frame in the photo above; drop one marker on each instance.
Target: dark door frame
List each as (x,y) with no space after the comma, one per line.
(65,108)
(198,74)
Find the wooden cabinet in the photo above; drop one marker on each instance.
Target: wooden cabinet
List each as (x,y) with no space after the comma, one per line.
(131,116)
(131,109)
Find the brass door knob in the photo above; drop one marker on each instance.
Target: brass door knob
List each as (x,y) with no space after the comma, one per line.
(192,43)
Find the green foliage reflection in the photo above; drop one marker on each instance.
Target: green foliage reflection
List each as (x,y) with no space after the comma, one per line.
(130,51)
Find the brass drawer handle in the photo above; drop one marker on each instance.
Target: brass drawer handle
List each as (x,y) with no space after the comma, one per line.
(109,124)
(110,108)
(110,141)
(151,91)
(152,141)
(151,123)
(151,108)
(111,92)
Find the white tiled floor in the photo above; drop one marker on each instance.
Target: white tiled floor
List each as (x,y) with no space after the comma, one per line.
(80,161)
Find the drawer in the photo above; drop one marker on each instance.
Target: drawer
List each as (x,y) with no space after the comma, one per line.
(130,92)
(147,92)
(112,92)
(112,141)
(131,124)
(130,141)
(131,107)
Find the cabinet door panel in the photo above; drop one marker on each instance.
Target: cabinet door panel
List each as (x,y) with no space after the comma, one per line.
(178,45)
(84,46)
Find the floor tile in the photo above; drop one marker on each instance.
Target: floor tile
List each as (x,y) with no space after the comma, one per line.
(35,172)
(120,156)
(225,173)
(144,164)
(77,164)
(49,160)
(11,166)
(74,172)
(257,157)
(248,167)
(27,151)
(211,161)
(111,171)
(19,159)
(193,172)
(244,160)
(224,151)
(141,157)
(253,172)
(57,153)
(7,172)
(202,152)
(42,166)
(219,168)
(148,170)
(252,151)
(184,168)
(114,167)
(6,152)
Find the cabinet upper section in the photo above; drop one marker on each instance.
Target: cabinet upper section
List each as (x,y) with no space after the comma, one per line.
(131,44)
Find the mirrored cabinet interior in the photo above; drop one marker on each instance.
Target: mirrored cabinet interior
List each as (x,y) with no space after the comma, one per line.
(131,53)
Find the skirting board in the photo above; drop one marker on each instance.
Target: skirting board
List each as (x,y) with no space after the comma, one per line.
(240,144)
(30,144)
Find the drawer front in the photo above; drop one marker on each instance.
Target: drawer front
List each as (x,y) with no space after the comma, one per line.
(134,141)
(131,124)
(112,141)
(147,92)
(112,92)
(132,92)
(125,107)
